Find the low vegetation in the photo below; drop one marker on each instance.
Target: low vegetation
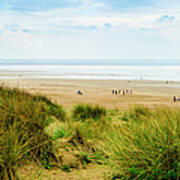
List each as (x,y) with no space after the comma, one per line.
(86,111)
(140,143)
(147,146)
(23,118)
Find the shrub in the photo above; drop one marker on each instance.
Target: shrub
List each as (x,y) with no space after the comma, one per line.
(83,112)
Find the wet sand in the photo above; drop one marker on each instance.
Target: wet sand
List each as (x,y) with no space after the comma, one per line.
(63,91)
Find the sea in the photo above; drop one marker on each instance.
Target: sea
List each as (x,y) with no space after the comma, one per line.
(111,69)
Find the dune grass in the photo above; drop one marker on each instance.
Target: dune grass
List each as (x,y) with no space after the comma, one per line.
(147,146)
(23,118)
(87,111)
(136,144)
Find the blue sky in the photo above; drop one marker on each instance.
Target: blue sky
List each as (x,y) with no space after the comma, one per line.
(90,29)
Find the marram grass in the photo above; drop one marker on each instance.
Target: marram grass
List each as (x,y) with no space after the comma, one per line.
(87,111)
(146,149)
(23,118)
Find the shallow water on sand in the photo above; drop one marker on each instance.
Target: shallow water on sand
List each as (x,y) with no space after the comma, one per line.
(145,72)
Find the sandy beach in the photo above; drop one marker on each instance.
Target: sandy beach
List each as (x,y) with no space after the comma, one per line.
(63,91)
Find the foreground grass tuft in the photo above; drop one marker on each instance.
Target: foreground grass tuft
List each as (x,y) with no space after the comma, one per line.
(23,118)
(148,149)
(86,111)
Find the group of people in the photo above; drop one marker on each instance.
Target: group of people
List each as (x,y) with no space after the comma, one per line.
(119,91)
(114,92)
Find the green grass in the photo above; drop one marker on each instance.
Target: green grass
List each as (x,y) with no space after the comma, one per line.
(136,144)
(86,111)
(23,118)
(146,149)
(60,133)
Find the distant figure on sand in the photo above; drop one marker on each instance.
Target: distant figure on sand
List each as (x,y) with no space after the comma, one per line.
(80,92)
(176,98)
(124,92)
(114,92)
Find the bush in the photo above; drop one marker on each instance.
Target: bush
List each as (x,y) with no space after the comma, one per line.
(149,149)
(83,112)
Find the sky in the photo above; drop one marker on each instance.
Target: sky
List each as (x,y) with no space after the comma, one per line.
(91,29)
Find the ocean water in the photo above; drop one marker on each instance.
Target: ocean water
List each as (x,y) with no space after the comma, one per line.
(92,69)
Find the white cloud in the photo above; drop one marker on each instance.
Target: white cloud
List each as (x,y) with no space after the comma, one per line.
(82,32)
